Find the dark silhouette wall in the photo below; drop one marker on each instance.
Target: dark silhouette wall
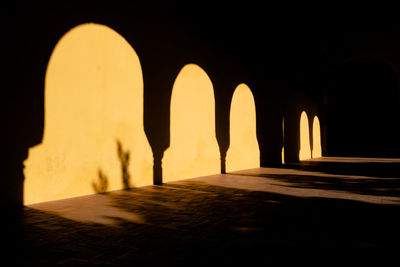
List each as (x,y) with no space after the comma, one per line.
(363,109)
(289,63)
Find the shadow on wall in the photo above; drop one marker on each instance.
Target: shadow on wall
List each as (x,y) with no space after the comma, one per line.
(243,152)
(124,159)
(193,150)
(101,186)
(93,95)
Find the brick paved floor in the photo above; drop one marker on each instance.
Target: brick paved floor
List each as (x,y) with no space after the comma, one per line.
(245,218)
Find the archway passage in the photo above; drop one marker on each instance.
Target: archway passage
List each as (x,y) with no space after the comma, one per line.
(305,149)
(316,148)
(94,139)
(193,149)
(363,110)
(243,152)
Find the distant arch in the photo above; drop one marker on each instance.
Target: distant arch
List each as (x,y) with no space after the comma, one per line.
(316,148)
(94,140)
(305,149)
(193,149)
(283,141)
(243,152)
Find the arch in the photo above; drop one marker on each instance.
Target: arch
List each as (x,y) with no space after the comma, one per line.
(305,149)
(94,140)
(193,149)
(316,148)
(283,141)
(243,152)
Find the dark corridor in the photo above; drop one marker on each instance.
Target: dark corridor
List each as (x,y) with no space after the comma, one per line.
(363,110)
(330,61)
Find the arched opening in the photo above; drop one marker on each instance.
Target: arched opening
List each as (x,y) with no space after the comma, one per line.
(283,141)
(193,149)
(363,110)
(305,149)
(316,150)
(94,139)
(243,152)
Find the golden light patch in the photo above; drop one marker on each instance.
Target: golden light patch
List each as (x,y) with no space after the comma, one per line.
(243,152)
(283,142)
(193,147)
(305,149)
(94,139)
(316,151)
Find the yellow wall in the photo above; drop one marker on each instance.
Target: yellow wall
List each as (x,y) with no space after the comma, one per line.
(305,149)
(317,151)
(283,141)
(193,147)
(243,152)
(93,101)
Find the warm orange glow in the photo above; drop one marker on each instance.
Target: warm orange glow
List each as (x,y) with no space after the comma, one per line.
(283,141)
(305,149)
(243,152)
(93,135)
(317,151)
(193,147)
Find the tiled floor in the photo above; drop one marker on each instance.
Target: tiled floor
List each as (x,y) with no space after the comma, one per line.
(328,207)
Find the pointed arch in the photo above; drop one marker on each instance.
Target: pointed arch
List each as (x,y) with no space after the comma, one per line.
(94,139)
(243,152)
(305,149)
(193,149)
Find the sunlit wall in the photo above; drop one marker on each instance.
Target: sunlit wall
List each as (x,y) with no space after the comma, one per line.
(193,149)
(93,135)
(283,142)
(243,152)
(316,151)
(305,149)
